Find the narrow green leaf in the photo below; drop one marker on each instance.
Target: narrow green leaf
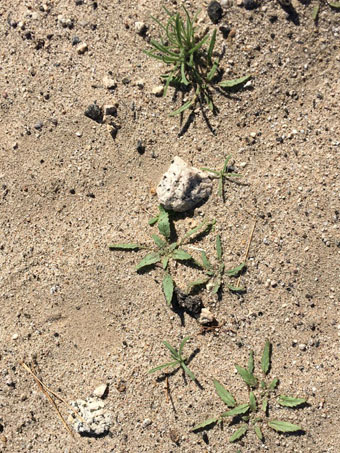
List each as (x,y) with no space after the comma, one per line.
(208,422)
(289,401)
(283,427)
(236,289)
(235,82)
(200,282)
(211,45)
(213,70)
(160,367)
(315,13)
(201,228)
(265,405)
(219,250)
(238,433)
(274,383)
(188,372)
(148,260)
(205,261)
(199,45)
(173,351)
(251,362)
(238,410)
(168,287)
(263,385)
(248,378)
(217,173)
(236,270)
(153,220)
(165,261)
(126,247)
(252,402)
(181,346)
(158,241)
(164,223)
(217,286)
(258,432)
(183,107)
(226,162)
(184,79)
(266,357)
(223,393)
(181,255)
(335,5)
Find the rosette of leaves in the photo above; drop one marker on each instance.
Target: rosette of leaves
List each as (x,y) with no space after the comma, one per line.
(164,250)
(215,272)
(255,413)
(177,359)
(190,60)
(222,175)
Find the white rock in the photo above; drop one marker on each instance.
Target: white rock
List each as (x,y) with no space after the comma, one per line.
(100,391)
(182,187)
(140,83)
(97,420)
(109,83)
(82,48)
(158,90)
(140,28)
(206,316)
(15,336)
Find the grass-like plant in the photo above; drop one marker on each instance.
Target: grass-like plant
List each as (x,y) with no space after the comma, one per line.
(215,272)
(254,413)
(221,175)
(190,58)
(164,249)
(178,359)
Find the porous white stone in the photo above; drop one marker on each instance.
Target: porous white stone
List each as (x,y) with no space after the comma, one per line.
(96,420)
(206,317)
(183,187)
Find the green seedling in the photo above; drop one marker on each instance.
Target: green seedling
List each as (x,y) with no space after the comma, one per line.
(164,250)
(254,413)
(215,273)
(190,58)
(317,8)
(178,359)
(221,175)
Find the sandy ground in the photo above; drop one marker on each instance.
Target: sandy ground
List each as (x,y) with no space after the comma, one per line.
(80,313)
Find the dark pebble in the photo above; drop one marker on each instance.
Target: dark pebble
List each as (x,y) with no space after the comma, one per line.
(273,18)
(140,147)
(225,31)
(79,2)
(126,81)
(72,191)
(75,40)
(91,195)
(38,125)
(215,12)
(94,112)
(250,4)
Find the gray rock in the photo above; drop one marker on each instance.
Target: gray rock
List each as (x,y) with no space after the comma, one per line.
(183,187)
(94,112)
(97,420)
(206,317)
(100,391)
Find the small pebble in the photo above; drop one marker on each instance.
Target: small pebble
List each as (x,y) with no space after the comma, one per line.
(110,109)
(100,391)
(38,125)
(140,83)
(15,336)
(109,83)
(215,12)
(302,347)
(140,28)
(82,48)
(140,147)
(94,112)
(157,90)
(250,4)
(75,40)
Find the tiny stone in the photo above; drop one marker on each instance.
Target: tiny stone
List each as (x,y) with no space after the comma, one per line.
(79,134)
(140,147)
(302,347)
(140,83)
(140,28)
(100,391)
(38,125)
(243,164)
(15,336)
(75,40)
(157,90)
(110,109)
(109,83)
(250,4)
(215,12)
(146,422)
(94,112)
(82,48)
(206,317)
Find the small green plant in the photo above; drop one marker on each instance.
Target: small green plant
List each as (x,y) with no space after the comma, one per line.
(317,7)
(214,273)
(191,63)
(221,175)
(165,250)
(254,413)
(178,359)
